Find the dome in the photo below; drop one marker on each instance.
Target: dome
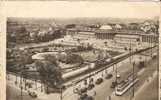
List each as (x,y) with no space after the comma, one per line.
(118,26)
(106,27)
(146,24)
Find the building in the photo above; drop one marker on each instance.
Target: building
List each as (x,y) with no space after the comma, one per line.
(149,38)
(105,34)
(71,31)
(117,34)
(84,35)
(105,27)
(124,36)
(127,38)
(81,32)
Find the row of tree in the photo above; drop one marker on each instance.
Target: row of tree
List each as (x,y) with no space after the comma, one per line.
(22,35)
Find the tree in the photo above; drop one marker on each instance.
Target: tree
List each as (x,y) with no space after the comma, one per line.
(70,26)
(50,73)
(17,59)
(73,58)
(22,35)
(133,26)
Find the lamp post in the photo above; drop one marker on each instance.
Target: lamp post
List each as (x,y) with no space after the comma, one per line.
(61,93)
(116,73)
(151,46)
(133,78)
(133,89)
(130,50)
(109,98)
(21,87)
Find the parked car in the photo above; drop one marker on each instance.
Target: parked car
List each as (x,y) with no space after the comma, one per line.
(99,81)
(113,85)
(83,90)
(90,86)
(76,90)
(32,94)
(85,97)
(108,76)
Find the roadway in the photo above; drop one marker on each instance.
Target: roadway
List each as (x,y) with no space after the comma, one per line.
(143,75)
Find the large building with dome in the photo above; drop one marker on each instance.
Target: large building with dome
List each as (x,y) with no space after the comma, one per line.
(115,33)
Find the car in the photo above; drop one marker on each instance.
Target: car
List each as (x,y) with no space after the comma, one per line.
(32,94)
(85,97)
(76,90)
(83,90)
(99,81)
(113,85)
(108,76)
(90,86)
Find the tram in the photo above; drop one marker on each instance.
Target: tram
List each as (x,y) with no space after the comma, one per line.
(125,85)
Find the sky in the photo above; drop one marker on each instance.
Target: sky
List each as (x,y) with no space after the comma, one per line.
(65,9)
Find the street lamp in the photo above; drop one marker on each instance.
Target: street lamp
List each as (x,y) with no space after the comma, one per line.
(133,77)
(133,90)
(130,51)
(116,74)
(21,87)
(109,98)
(151,46)
(61,93)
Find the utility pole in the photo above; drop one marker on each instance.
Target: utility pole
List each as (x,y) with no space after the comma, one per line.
(41,87)
(116,73)
(133,88)
(109,98)
(151,46)
(16,80)
(113,67)
(21,86)
(133,91)
(130,50)
(61,93)
(133,77)
(36,84)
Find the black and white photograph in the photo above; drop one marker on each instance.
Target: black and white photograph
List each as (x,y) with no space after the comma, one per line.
(82,51)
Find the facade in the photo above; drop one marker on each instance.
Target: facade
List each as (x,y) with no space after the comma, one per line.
(71,31)
(84,35)
(105,34)
(126,36)
(149,38)
(119,36)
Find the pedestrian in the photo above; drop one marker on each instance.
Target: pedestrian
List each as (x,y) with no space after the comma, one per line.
(94,93)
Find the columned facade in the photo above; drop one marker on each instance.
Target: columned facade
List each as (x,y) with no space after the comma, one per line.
(103,34)
(149,38)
